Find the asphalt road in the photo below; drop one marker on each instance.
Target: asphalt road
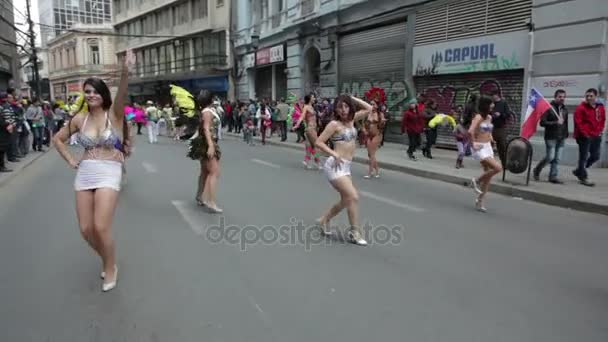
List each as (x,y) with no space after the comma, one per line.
(436,270)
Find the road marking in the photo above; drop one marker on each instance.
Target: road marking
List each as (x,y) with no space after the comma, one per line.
(391,202)
(266,163)
(188,214)
(149,167)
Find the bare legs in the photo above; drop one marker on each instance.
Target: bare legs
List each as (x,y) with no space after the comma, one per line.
(491,168)
(202,179)
(95,210)
(210,185)
(372,147)
(349,199)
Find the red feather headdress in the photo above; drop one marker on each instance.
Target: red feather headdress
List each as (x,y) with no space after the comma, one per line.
(376,94)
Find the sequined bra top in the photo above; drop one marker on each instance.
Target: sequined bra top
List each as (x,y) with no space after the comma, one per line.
(486,127)
(348,134)
(214,125)
(107,139)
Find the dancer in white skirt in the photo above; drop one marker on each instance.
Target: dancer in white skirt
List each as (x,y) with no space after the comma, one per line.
(100,131)
(481,136)
(343,134)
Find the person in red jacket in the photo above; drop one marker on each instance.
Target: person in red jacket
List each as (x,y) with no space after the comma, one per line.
(589,122)
(413,124)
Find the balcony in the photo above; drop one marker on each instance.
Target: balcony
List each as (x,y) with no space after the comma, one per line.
(182,66)
(86,69)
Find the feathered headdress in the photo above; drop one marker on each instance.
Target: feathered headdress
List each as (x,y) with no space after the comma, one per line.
(376,94)
(185,101)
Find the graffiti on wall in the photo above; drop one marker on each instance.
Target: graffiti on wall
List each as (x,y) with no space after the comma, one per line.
(449,96)
(397,93)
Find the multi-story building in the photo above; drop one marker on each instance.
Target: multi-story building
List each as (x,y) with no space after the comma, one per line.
(8,47)
(74,57)
(182,42)
(57,16)
(28,87)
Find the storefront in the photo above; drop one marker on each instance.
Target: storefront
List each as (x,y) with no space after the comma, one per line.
(374,58)
(451,72)
(159,91)
(270,73)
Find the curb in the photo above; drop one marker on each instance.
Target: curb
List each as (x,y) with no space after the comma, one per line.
(22,166)
(498,188)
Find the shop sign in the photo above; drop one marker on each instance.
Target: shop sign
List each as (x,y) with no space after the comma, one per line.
(505,51)
(74,87)
(575,86)
(270,55)
(59,89)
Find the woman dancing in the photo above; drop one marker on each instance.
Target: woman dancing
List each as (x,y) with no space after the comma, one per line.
(374,126)
(206,149)
(343,134)
(98,179)
(309,114)
(481,137)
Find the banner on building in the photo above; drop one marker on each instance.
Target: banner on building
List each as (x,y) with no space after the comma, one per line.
(506,51)
(269,55)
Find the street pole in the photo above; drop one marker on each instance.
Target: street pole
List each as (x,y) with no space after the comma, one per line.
(34,56)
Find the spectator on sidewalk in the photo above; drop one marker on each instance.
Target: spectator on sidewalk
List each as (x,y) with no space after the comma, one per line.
(19,144)
(6,129)
(555,122)
(35,117)
(430,110)
(500,118)
(589,122)
(152,115)
(413,124)
(283,111)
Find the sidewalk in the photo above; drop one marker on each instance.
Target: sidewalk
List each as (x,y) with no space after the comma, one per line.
(569,195)
(21,165)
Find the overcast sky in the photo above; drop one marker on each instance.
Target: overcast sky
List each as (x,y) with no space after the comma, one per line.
(20,21)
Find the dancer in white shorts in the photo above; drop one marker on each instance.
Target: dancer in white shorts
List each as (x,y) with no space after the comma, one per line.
(343,134)
(99,174)
(481,136)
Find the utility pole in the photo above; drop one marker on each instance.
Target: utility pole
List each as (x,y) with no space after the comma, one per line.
(33,56)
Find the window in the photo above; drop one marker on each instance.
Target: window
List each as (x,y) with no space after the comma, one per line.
(94,56)
(199,9)
(220,3)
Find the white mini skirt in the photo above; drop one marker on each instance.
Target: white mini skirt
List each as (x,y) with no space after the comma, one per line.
(330,171)
(96,174)
(484,152)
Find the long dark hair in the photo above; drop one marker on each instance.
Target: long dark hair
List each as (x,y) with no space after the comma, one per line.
(102,89)
(484,105)
(204,99)
(349,102)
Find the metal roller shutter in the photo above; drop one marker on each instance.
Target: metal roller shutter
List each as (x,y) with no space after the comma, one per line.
(453,90)
(376,54)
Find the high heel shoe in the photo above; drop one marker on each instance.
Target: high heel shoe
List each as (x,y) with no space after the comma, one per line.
(323,228)
(105,287)
(479,206)
(355,237)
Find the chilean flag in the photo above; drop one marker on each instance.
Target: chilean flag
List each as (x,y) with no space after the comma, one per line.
(537,106)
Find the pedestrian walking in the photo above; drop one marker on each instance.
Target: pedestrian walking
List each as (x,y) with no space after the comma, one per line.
(412,124)
(589,123)
(555,122)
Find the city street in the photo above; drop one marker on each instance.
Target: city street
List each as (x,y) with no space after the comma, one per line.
(435,270)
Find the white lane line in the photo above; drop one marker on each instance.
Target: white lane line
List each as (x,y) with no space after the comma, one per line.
(391,202)
(266,163)
(149,167)
(189,216)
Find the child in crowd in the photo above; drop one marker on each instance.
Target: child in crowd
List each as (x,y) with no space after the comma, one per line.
(248,128)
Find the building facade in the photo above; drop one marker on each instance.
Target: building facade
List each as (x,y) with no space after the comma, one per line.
(183,42)
(74,57)
(9,59)
(28,87)
(57,16)
(570,52)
